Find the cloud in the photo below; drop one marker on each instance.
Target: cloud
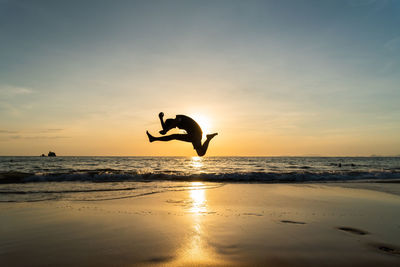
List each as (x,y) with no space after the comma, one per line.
(38,134)
(371,4)
(37,137)
(361,2)
(45,137)
(7,132)
(13,91)
(393,44)
(51,130)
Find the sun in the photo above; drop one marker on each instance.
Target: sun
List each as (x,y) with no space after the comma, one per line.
(204,122)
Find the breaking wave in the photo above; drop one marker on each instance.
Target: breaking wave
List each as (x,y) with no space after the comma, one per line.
(111,175)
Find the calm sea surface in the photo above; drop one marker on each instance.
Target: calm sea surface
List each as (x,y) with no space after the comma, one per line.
(101,178)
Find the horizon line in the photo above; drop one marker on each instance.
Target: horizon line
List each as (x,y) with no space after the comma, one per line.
(228,156)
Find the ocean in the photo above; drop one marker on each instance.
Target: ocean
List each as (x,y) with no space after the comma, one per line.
(26,179)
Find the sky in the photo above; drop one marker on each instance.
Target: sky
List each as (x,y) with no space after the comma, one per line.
(273,78)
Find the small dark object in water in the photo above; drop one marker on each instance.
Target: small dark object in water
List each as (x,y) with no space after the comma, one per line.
(43,155)
(387,248)
(339,165)
(353,230)
(294,222)
(51,154)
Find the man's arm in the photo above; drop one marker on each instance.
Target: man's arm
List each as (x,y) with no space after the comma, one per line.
(164,130)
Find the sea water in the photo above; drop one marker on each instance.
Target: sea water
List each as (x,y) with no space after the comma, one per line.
(105,178)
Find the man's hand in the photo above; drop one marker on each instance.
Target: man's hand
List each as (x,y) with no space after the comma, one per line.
(161,115)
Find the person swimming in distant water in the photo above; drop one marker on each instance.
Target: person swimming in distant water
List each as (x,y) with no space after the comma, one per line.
(193,132)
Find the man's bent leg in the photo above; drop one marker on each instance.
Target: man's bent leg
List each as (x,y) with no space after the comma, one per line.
(180,137)
(201,151)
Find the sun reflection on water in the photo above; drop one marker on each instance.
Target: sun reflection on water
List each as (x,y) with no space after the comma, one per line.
(198,198)
(196,250)
(196,162)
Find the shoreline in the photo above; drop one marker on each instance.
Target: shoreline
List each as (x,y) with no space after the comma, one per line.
(313,224)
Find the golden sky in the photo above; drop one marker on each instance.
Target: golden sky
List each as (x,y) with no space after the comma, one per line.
(271,77)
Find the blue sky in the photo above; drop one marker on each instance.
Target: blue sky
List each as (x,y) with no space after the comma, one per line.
(273,77)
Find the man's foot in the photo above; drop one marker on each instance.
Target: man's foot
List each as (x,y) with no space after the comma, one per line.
(211,136)
(151,138)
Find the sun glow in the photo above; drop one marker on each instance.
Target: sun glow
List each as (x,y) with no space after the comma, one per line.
(204,122)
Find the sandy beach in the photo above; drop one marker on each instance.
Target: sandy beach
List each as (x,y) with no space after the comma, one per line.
(228,225)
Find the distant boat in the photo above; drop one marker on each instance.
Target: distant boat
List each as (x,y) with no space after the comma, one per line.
(51,154)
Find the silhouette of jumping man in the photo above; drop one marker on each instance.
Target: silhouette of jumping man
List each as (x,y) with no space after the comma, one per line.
(193,132)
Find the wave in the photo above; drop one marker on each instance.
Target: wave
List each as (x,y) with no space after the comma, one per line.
(111,175)
(19,192)
(74,192)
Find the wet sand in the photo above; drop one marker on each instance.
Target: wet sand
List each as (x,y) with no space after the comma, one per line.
(233,224)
